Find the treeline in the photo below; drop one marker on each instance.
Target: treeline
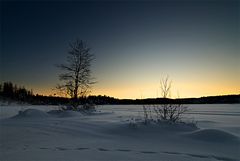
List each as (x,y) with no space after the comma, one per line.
(13,92)
(225,99)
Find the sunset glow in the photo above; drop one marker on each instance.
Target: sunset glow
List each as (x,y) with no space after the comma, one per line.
(195,43)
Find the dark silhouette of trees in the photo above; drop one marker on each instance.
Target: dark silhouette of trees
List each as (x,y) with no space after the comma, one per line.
(14,92)
(76,75)
(10,91)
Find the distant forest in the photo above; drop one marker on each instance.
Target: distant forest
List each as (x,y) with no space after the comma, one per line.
(12,92)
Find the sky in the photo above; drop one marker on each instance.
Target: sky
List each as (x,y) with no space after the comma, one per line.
(135,43)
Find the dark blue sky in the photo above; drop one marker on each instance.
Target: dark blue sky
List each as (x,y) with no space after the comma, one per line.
(135,43)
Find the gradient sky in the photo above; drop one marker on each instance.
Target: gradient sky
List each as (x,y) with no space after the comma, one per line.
(135,43)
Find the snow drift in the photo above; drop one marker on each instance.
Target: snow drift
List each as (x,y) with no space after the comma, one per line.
(60,113)
(31,113)
(213,135)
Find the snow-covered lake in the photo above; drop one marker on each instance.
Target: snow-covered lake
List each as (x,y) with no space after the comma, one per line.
(222,116)
(107,135)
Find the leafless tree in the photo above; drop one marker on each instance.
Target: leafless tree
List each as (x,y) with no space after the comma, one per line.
(165,86)
(76,76)
(169,111)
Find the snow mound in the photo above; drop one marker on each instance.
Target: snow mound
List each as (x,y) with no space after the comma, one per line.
(69,113)
(31,113)
(213,135)
(178,126)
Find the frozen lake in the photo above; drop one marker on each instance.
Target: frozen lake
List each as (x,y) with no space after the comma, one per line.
(223,116)
(107,134)
(220,116)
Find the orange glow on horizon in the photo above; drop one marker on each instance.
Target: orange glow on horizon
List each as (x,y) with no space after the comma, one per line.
(185,90)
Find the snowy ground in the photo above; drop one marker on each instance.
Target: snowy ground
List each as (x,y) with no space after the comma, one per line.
(39,135)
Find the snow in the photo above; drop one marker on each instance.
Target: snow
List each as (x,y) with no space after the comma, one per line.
(31,113)
(213,135)
(43,133)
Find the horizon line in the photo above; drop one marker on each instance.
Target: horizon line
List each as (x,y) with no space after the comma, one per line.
(235,94)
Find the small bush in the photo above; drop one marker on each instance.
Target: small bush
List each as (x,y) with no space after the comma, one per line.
(170,112)
(164,112)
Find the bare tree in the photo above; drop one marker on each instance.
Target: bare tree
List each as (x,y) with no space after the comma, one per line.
(165,86)
(76,76)
(169,111)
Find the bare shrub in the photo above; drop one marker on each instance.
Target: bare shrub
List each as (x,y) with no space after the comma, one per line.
(170,112)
